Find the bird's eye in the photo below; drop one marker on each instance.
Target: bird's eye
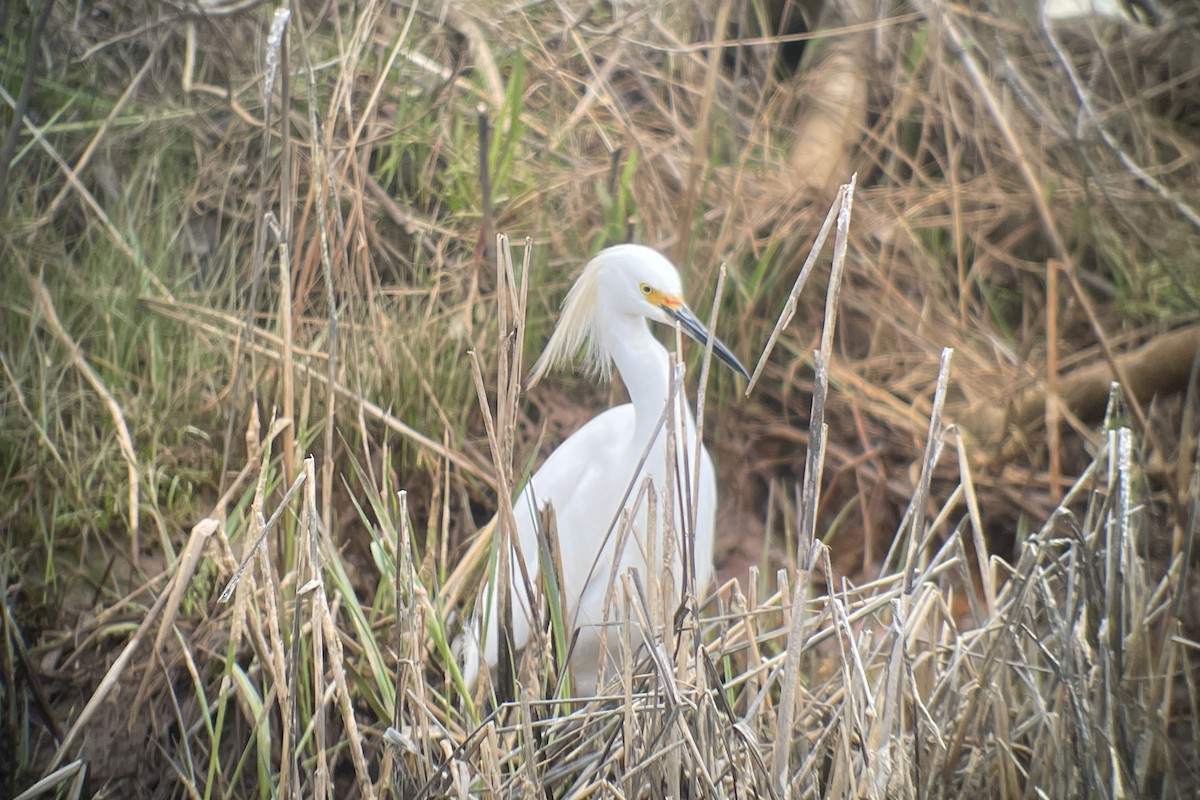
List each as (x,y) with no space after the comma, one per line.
(646,290)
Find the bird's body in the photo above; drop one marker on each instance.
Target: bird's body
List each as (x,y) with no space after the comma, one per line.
(587,479)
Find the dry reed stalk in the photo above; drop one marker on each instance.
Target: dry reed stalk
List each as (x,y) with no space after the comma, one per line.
(309,529)
(789,308)
(500,426)
(276,57)
(805,551)
(49,318)
(322,182)
(1053,409)
(700,158)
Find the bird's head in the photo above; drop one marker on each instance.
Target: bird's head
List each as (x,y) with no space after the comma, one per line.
(628,279)
(637,280)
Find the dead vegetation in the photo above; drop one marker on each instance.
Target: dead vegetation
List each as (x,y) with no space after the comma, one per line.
(957,563)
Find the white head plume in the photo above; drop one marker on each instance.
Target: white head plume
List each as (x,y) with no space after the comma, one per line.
(578,325)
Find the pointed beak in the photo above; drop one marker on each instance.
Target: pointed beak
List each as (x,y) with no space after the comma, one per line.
(694,328)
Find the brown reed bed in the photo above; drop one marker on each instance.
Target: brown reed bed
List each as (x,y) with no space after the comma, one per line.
(260,335)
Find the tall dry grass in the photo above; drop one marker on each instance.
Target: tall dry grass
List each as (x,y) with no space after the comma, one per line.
(256,339)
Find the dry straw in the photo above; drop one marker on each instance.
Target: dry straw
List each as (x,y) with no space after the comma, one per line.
(1065,670)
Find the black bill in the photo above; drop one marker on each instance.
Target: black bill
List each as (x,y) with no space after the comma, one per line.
(694,328)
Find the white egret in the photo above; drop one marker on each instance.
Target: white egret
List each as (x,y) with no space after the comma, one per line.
(586,479)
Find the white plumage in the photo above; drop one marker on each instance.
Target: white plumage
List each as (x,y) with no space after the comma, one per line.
(587,477)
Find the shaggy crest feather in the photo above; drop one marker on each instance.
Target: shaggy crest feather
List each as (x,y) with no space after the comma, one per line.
(578,326)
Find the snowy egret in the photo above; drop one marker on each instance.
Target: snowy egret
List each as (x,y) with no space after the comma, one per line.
(587,478)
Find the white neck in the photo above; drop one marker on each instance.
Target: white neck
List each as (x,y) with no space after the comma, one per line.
(644,365)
